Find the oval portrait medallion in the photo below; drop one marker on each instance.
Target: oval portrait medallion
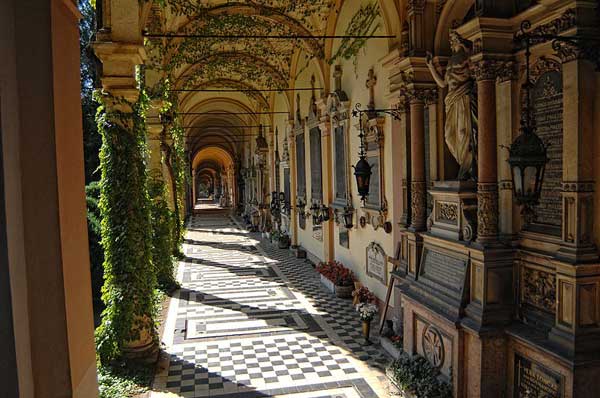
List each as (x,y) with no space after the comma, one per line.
(433,346)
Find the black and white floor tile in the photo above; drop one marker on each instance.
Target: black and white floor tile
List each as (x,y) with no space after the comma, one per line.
(251,320)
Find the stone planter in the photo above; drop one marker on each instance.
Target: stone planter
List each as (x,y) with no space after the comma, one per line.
(328,284)
(344,291)
(391,348)
(284,242)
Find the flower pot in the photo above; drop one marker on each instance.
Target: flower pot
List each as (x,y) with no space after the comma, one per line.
(344,291)
(366,329)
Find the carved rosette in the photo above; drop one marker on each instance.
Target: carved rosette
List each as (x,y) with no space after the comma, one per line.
(418,197)
(487,211)
(433,346)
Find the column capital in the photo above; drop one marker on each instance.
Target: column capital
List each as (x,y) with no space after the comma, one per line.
(571,51)
(118,65)
(487,69)
(421,94)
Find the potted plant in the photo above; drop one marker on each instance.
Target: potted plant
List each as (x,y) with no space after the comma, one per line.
(284,241)
(274,236)
(367,312)
(363,295)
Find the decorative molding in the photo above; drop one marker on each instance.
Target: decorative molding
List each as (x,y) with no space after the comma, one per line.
(508,71)
(418,195)
(561,24)
(578,186)
(487,69)
(487,210)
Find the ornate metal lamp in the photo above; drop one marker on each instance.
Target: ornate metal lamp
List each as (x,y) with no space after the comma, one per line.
(362,170)
(315,211)
(348,216)
(325,213)
(528,153)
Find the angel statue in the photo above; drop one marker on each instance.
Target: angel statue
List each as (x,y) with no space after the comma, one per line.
(460,130)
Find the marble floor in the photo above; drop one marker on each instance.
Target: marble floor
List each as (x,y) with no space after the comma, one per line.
(251,320)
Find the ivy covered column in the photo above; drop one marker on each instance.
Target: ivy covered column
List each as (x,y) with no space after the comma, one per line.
(127,330)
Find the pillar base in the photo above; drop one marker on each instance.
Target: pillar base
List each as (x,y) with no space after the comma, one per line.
(145,353)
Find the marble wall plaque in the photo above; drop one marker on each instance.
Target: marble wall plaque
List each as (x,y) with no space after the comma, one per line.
(534,380)
(344,237)
(317,232)
(374,198)
(377,262)
(442,271)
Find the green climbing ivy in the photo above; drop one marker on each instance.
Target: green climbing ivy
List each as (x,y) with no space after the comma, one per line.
(162,220)
(363,23)
(129,276)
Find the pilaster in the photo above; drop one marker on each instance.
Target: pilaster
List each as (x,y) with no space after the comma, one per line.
(327,170)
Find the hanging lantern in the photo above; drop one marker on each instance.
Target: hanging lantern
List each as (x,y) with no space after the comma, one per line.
(325,213)
(528,153)
(362,172)
(527,161)
(315,210)
(348,217)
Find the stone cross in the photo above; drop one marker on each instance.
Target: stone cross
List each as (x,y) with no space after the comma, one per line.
(371,82)
(337,75)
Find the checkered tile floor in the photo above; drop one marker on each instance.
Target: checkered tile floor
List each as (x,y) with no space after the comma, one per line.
(251,320)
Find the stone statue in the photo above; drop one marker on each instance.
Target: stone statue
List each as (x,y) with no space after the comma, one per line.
(461,109)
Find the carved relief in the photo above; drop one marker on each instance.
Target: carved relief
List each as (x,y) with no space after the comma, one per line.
(487,210)
(433,346)
(539,289)
(447,212)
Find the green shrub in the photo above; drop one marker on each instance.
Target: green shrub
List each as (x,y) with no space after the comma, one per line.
(416,374)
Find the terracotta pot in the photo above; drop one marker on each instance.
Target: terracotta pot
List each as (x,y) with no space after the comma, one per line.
(366,329)
(344,291)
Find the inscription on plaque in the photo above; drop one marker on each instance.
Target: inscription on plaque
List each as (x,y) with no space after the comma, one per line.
(377,262)
(547,98)
(340,165)
(534,380)
(443,271)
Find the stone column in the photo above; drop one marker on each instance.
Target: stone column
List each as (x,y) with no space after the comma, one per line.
(417,161)
(405,153)
(327,172)
(487,163)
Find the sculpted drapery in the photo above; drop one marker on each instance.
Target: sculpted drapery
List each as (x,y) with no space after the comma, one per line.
(461,116)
